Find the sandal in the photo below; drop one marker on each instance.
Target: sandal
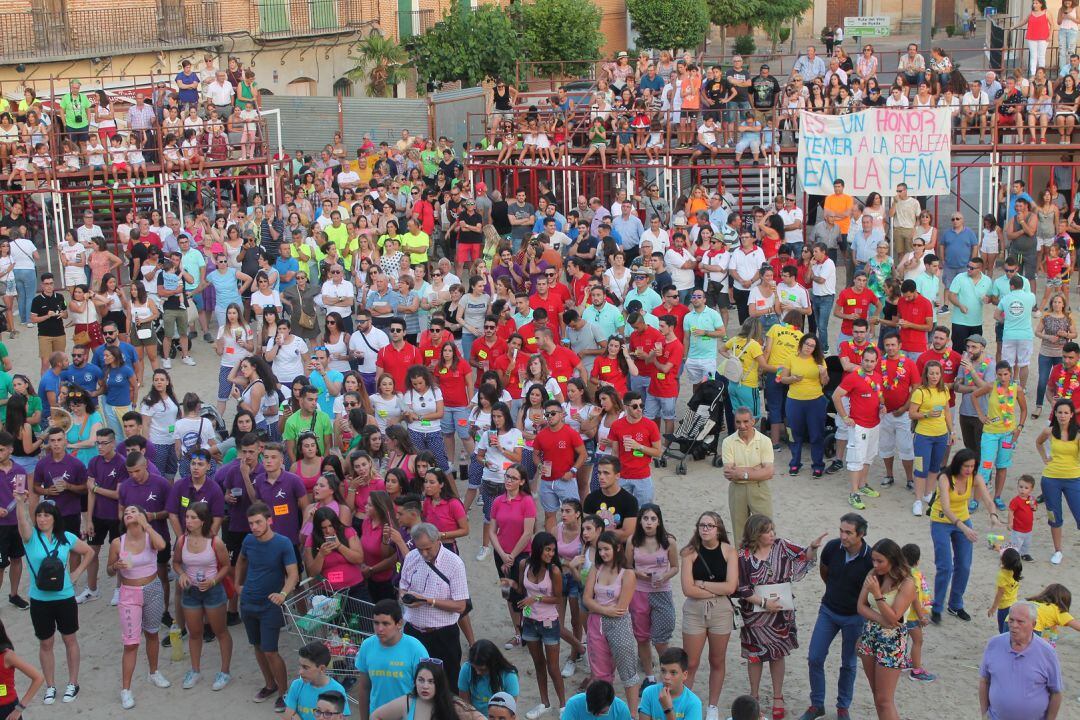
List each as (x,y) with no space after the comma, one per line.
(778,712)
(512,643)
(1038,411)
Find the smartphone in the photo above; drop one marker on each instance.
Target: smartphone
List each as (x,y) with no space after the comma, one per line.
(409,598)
(20,484)
(237,492)
(330,539)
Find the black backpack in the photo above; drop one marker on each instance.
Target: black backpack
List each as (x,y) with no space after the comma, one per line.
(50,575)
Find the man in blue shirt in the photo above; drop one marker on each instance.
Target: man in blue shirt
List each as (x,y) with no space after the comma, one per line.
(303,697)
(628,226)
(51,379)
(670,699)
(1018,334)
(1019,191)
(598,702)
(958,245)
(111,333)
(387,660)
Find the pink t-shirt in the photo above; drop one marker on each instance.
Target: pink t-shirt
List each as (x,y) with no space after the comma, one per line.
(338,571)
(445,515)
(371,544)
(362,493)
(509,517)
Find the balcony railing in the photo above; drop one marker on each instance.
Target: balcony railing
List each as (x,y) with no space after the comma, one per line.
(40,36)
(304,18)
(414,22)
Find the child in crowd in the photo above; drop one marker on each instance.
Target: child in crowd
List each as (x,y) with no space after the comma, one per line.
(11,703)
(193,155)
(304,692)
(71,157)
(671,691)
(1054,268)
(745,707)
(624,142)
(990,243)
(486,672)
(20,165)
(1008,587)
(597,143)
(509,142)
(118,160)
(95,158)
(655,145)
(42,162)
(1053,612)
(918,615)
(217,142)
(1022,516)
(135,158)
(173,160)
(249,120)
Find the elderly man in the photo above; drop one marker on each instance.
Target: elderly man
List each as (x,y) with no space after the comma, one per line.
(912,65)
(864,241)
(748,467)
(809,66)
(1020,675)
(434,591)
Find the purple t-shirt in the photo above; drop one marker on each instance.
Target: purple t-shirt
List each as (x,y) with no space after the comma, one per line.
(151,496)
(108,474)
(71,471)
(229,477)
(8,479)
(283,498)
(1020,682)
(184,494)
(121,449)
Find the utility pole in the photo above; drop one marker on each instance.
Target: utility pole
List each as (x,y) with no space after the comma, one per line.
(927,25)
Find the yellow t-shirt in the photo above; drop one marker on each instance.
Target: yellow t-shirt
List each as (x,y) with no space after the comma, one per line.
(922,594)
(1001,409)
(1050,616)
(1010,588)
(927,399)
(785,343)
(809,388)
(958,502)
(747,357)
(1064,459)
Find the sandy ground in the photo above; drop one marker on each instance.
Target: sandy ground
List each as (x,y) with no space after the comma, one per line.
(804,508)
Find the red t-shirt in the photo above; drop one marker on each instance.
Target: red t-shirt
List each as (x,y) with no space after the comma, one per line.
(510,374)
(553,303)
(666,384)
(562,363)
(853,353)
(562,292)
(1064,383)
(397,362)
(485,354)
(918,311)
(505,329)
(528,334)
(950,366)
(1023,514)
(864,398)
(429,351)
(559,449)
(452,383)
(679,311)
(1054,267)
(645,340)
(899,375)
(636,465)
(608,370)
(850,302)
(580,287)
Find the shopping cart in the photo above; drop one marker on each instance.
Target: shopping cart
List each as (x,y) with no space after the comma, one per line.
(318,613)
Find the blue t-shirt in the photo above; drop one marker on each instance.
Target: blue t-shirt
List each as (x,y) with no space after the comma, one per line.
(283,266)
(266,563)
(391,669)
(51,381)
(224,286)
(127,350)
(326,400)
(118,386)
(1018,306)
(170,281)
(86,377)
(37,547)
(479,687)
(957,247)
(577,709)
(687,706)
(303,696)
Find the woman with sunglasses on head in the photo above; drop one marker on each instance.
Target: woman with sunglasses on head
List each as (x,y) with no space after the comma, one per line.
(387,403)
(423,410)
(361,480)
(85,422)
(498,449)
(228,282)
(513,516)
(308,465)
(328,492)
(455,378)
(399,452)
(532,421)
(431,698)
(234,343)
(256,390)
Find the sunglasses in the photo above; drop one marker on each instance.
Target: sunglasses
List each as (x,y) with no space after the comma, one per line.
(397,330)
(636,406)
(553,413)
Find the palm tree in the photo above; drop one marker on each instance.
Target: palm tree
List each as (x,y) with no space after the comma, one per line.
(382,64)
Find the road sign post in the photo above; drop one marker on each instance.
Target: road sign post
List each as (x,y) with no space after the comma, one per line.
(866,26)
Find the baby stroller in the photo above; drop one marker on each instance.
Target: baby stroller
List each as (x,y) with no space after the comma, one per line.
(699,431)
(209,412)
(836,375)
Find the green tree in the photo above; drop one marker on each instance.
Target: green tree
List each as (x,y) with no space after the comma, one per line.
(467,46)
(669,24)
(383,64)
(726,13)
(777,13)
(555,31)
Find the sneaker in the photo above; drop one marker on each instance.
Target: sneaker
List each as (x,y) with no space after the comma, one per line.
(812,713)
(793,470)
(220,681)
(1027,558)
(87,595)
(888,481)
(190,678)
(973,505)
(208,337)
(943,310)
(999,503)
(264,694)
(855,501)
(713,713)
(279,704)
(817,473)
(569,667)
(935,617)
(959,614)
(30,325)
(71,692)
(537,712)
(1056,558)
(920,674)
(159,680)
(50,696)
(127,699)
(232,619)
(869,491)
(188,360)
(843,714)
(166,363)
(512,643)
(115,597)
(482,554)
(910,485)
(834,467)
(18,602)
(917,508)
(166,618)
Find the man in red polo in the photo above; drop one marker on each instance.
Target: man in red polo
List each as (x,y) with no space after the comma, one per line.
(528,331)
(645,344)
(862,415)
(916,317)
(563,363)
(850,351)
(396,358)
(899,375)
(432,340)
(1064,379)
(545,298)
(664,385)
(488,346)
(670,305)
(636,440)
(854,303)
(559,453)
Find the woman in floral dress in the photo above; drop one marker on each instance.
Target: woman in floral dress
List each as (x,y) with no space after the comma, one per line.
(769,634)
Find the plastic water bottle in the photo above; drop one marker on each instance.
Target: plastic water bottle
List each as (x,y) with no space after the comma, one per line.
(176,643)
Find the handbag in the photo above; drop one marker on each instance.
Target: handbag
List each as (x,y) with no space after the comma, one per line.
(306,321)
(81,338)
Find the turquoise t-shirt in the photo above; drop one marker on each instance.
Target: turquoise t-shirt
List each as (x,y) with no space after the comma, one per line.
(577,709)
(303,696)
(479,688)
(1001,286)
(971,295)
(1018,306)
(37,547)
(608,319)
(702,347)
(929,286)
(687,706)
(326,400)
(648,299)
(391,669)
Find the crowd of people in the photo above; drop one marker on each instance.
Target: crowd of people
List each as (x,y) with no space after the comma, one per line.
(407,358)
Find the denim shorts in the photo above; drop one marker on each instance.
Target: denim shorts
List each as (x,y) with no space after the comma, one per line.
(455,420)
(193,598)
(534,630)
(660,407)
(554,492)
(571,584)
(263,626)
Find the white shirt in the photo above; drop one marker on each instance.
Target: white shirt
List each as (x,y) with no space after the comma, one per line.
(826,270)
(422,404)
(790,216)
(348,178)
(333,290)
(360,342)
(896,101)
(659,240)
(289,361)
(220,93)
(706,134)
(87,234)
(719,259)
(745,264)
(954,104)
(792,296)
(682,279)
(969,100)
(759,300)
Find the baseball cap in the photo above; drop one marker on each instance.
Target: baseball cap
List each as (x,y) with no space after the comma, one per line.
(503,700)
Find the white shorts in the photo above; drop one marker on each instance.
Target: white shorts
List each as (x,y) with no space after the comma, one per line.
(655,140)
(1017,352)
(862,447)
(989,246)
(895,437)
(841,426)
(698,370)
(1042,242)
